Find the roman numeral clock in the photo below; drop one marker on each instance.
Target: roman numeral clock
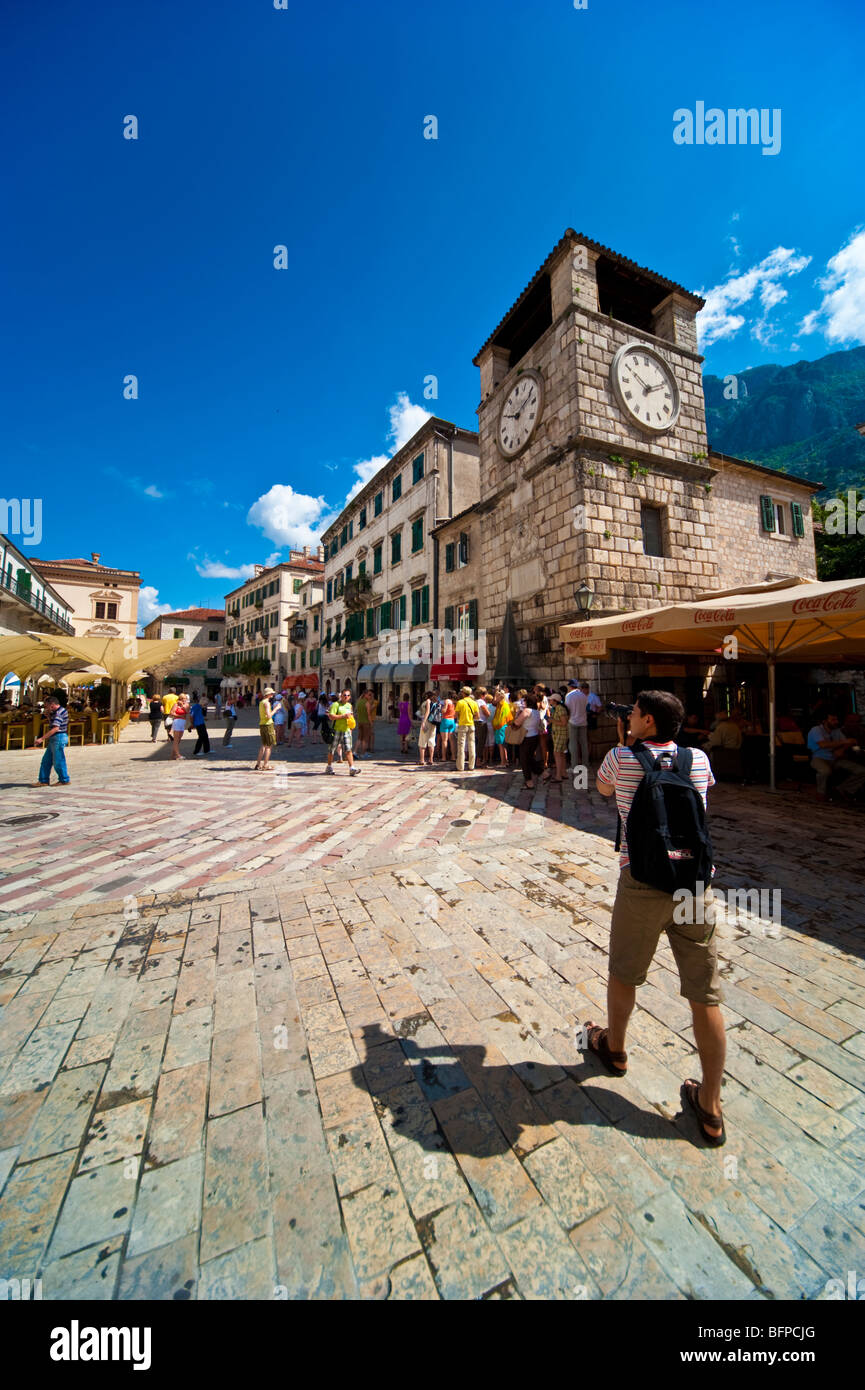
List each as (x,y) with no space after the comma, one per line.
(645,387)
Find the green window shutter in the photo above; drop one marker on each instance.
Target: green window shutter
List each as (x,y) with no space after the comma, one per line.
(379,502)
(417,534)
(385,615)
(402,610)
(449,617)
(293,660)
(473,616)
(449,557)
(362,518)
(415,607)
(798,519)
(330,591)
(424,604)
(370,622)
(361,568)
(396,548)
(396,489)
(767,514)
(417,469)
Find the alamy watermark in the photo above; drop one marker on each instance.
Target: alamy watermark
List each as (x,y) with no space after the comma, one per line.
(731,127)
(845,518)
(22,517)
(461,646)
(736,907)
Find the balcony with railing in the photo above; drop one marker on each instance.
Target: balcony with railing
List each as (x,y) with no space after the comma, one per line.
(24,593)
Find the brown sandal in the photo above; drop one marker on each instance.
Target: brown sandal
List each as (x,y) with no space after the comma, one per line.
(597,1040)
(691,1095)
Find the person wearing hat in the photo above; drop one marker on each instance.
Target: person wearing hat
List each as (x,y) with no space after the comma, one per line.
(266,729)
(466,712)
(578,729)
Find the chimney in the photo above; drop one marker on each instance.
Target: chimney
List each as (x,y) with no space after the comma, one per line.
(94,555)
(306,552)
(257,570)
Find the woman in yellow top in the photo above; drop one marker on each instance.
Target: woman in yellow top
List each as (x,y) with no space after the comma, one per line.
(501,719)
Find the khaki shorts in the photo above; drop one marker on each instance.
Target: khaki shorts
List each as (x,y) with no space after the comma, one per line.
(427,736)
(640,914)
(267,734)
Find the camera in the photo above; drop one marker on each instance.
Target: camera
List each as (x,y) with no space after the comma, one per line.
(619,711)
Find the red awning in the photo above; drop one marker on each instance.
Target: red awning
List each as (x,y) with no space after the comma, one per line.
(448,671)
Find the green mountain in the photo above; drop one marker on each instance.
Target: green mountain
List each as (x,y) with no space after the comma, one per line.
(798,418)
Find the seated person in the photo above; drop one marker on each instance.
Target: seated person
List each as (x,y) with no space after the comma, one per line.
(692,733)
(727,733)
(827,745)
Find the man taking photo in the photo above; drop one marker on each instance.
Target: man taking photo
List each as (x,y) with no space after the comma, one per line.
(660,792)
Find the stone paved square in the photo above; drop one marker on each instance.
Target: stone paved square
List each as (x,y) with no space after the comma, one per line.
(315,1038)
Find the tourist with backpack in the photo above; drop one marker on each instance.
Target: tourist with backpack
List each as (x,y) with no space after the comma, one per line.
(664,886)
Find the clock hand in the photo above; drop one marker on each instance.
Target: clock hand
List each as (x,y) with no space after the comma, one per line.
(641,381)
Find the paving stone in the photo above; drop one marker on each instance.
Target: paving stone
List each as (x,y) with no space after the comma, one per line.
(686,1251)
(544,1261)
(619,1262)
(831,1240)
(177,1125)
(87,1276)
(464,1257)
(168,1205)
(359,1155)
(412,1281)
(62,1119)
(189,1039)
(244,1273)
(235,1069)
(236,1196)
(115,1133)
(98,1204)
(429,1175)
(380,1228)
(28,1208)
(39,1059)
(501,1188)
(171,1272)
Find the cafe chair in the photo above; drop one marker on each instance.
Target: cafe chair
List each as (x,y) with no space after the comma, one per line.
(16,736)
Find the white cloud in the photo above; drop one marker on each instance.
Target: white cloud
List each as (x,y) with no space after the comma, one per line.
(841,315)
(288,517)
(149,606)
(215,569)
(293,519)
(153,491)
(718,319)
(273,559)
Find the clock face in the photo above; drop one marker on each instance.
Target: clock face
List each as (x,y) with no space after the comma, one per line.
(520,413)
(645,388)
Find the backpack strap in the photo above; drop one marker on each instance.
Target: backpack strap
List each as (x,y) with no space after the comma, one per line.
(683,761)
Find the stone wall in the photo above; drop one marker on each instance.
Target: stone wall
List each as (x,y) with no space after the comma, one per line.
(745,553)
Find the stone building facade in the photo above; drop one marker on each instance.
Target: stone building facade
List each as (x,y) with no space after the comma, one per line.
(27,602)
(103,601)
(202,631)
(763,526)
(304,635)
(381,572)
(259,612)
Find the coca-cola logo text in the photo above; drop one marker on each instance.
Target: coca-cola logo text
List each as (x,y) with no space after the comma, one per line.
(715,615)
(826,603)
(638,625)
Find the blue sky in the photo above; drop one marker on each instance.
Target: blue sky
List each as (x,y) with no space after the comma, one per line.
(265,395)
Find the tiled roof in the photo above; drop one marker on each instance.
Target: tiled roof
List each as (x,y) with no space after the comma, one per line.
(572,238)
(196,615)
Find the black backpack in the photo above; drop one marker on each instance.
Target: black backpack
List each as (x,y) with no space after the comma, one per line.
(667,817)
(435,712)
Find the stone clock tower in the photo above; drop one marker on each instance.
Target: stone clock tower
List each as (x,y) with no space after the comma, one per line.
(593,454)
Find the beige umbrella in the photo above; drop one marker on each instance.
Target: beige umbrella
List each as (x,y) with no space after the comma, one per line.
(790,620)
(26,655)
(118,657)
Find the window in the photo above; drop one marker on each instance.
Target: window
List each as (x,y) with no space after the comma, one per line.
(464,549)
(315,622)
(396,548)
(100,611)
(779,519)
(370,622)
(297,586)
(385,615)
(330,591)
(112,610)
(303,661)
(305,599)
(351,529)
(361,568)
(211,663)
(449,618)
(178,631)
(417,535)
(650,520)
(362,522)
(396,488)
(313,658)
(212,636)
(767,514)
(293,660)
(417,469)
(798,519)
(449,557)
(420,605)
(343,536)
(376,560)
(274,618)
(326,550)
(402,605)
(378,504)
(347,573)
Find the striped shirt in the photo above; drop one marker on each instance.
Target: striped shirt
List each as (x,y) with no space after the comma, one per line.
(620,769)
(60,720)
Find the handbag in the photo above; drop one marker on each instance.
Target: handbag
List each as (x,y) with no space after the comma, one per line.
(514,734)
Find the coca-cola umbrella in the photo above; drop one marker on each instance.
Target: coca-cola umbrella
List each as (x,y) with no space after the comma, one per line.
(788,620)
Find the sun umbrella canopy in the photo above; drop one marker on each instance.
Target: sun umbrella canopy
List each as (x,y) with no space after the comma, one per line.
(118,657)
(798,620)
(26,655)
